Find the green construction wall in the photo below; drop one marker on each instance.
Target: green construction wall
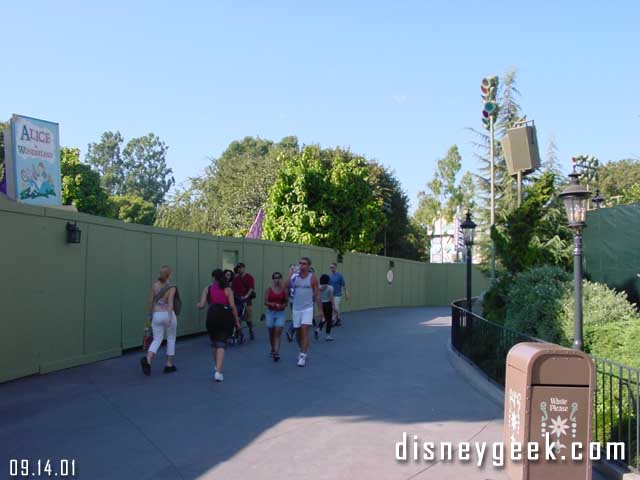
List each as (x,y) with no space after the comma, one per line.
(69,304)
(611,241)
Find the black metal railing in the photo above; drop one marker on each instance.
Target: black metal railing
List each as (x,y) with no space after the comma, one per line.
(617,392)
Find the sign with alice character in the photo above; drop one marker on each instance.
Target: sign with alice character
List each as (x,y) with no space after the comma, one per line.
(32,161)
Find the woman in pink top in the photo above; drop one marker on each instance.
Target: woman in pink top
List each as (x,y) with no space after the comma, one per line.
(220,317)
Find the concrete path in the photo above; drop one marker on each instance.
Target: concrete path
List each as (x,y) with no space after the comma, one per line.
(339,418)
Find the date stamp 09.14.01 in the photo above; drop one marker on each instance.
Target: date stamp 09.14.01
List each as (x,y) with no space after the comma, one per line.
(42,468)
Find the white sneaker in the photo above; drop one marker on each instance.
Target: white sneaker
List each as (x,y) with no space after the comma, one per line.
(302,359)
(218,377)
(328,338)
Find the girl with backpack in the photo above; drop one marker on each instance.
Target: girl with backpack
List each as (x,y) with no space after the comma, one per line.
(163,306)
(221,317)
(275,299)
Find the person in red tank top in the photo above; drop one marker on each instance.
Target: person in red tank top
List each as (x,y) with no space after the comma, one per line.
(275,299)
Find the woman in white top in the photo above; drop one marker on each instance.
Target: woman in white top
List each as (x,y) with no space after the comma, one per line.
(163,320)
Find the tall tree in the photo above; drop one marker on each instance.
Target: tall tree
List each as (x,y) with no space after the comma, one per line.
(445,196)
(81,186)
(394,236)
(147,174)
(140,170)
(324,198)
(132,209)
(226,197)
(551,161)
(105,157)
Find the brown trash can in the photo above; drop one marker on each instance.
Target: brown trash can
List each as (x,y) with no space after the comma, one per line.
(549,401)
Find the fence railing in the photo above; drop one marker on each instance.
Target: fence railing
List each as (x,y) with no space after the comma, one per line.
(617,392)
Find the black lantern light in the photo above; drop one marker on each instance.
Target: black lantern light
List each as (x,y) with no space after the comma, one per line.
(73,233)
(468,229)
(597,199)
(576,201)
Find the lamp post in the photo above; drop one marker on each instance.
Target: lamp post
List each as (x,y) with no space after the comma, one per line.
(576,200)
(597,199)
(468,229)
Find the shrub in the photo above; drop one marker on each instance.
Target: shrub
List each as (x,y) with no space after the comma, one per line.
(494,302)
(534,303)
(611,323)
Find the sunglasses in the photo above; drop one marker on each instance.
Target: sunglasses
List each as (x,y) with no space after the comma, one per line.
(304,263)
(276,278)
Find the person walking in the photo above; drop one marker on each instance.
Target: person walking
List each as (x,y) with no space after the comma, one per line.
(291,332)
(275,299)
(328,304)
(243,287)
(163,320)
(221,316)
(307,290)
(337,282)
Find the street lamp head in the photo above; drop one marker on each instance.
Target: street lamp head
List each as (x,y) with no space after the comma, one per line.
(576,199)
(468,229)
(597,199)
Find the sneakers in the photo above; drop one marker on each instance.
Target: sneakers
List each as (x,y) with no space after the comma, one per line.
(170,369)
(146,368)
(218,377)
(302,359)
(329,338)
(316,333)
(276,357)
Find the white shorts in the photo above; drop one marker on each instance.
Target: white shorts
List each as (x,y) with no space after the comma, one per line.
(337,301)
(302,317)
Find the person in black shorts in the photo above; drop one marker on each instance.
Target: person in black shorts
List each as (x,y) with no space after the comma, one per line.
(328,306)
(221,316)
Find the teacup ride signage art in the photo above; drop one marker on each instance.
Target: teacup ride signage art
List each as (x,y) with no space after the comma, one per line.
(32,161)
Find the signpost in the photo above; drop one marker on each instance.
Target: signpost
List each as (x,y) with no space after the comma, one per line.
(32,161)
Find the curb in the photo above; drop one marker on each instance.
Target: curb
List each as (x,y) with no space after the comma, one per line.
(494,392)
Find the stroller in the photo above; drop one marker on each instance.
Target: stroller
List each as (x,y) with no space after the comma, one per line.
(237,338)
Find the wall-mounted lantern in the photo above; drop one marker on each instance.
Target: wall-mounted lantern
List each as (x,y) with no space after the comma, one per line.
(73,233)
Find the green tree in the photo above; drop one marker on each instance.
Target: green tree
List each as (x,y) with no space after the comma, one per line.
(445,196)
(395,234)
(81,185)
(324,197)
(618,180)
(105,157)
(226,197)
(132,209)
(536,233)
(147,174)
(140,169)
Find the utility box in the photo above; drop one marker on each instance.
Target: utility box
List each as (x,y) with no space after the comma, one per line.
(549,402)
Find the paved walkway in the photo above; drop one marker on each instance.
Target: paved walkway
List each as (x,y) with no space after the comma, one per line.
(339,418)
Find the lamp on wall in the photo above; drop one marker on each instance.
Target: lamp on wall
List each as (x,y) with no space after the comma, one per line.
(340,258)
(73,233)
(392,264)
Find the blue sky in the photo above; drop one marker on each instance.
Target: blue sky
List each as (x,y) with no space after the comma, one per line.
(395,81)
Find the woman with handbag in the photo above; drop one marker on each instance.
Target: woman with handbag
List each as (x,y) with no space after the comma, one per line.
(163,320)
(221,317)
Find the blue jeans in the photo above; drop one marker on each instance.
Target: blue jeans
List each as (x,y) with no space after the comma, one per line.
(275,318)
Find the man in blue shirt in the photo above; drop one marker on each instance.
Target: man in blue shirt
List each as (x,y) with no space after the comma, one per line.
(336,280)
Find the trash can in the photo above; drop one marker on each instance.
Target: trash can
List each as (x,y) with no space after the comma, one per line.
(548,402)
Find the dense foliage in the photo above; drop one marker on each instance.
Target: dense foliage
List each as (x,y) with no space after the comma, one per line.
(81,185)
(539,302)
(324,197)
(139,170)
(535,233)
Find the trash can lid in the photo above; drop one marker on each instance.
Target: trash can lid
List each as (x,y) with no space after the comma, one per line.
(550,364)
